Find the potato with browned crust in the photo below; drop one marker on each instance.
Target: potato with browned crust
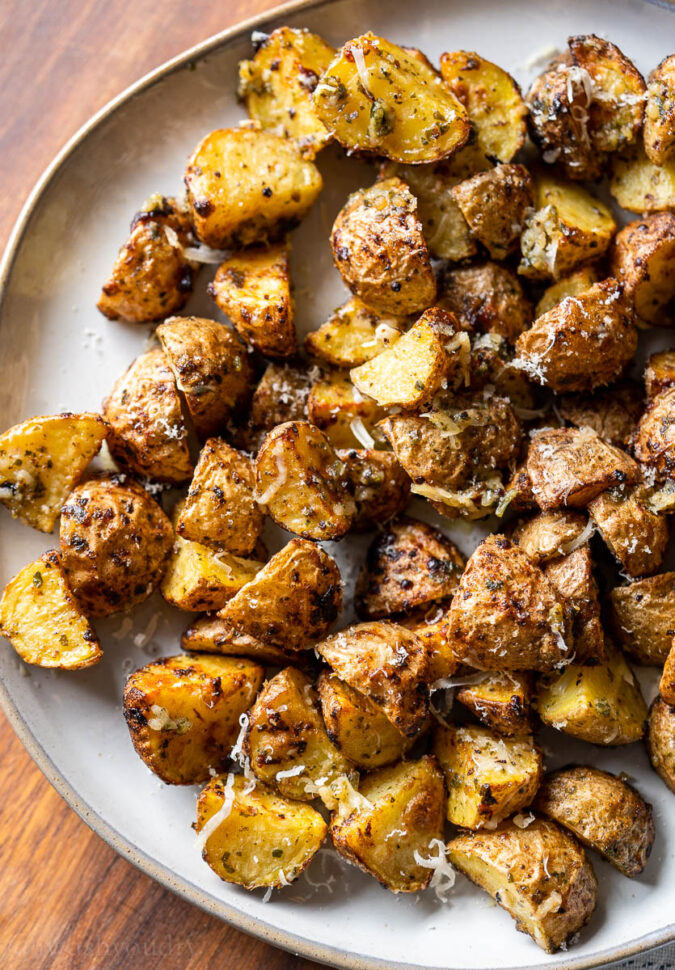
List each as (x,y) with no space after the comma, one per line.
(494,369)
(660,372)
(338,409)
(603,811)
(500,699)
(654,439)
(151,277)
(641,257)
(410,565)
(380,250)
(661,740)
(506,614)
(197,578)
(212,634)
(667,682)
(539,874)
(643,616)
(280,396)
(659,128)
(431,623)
(519,496)
(495,204)
(378,483)
(549,535)
(613,412)
(353,334)
(572,285)
(183,713)
(640,186)
(633,532)
(572,576)
(487,297)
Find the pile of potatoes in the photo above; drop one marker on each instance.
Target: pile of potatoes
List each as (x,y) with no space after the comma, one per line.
(482,363)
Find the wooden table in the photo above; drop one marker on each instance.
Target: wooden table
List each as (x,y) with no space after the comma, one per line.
(67,901)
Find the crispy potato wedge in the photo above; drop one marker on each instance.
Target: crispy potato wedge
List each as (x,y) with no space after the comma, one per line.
(213,634)
(538,874)
(495,205)
(183,713)
(379,485)
(572,285)
(281,395)
(301,481)
(432,625)
(659,127)
(549,535)
(336,407)
(643,617)
(660,372)
(612,412)
(641,258)
(603,811)
(489,298)
(654,439)
(42,460)
(254,837)
(639,185)
(661,741)
(353,334)
(667,682)
(501,700)
(42,620)
(197,578)
(379,98)
(635,534)
(572,576)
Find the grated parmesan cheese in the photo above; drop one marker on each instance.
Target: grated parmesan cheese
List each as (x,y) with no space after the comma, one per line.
(443,877)
(218,817)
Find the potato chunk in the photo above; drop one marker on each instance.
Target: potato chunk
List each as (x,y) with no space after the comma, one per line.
(488,777)
(246,186)
(642,258)
(353,334)
(281,395)
(506,615)
(489,298)
(661,741)
(636,536)
(409,565)
(570,466)
(147,435)
(379,485)
(394,823)
(213,634)
(659,129)
(42,620)
(501,700)
(654,441)
(276,85)
(183,713)
(380,98)
(380,251)
(197,578)
(292,601)
(582,343)
(603,811)
(538,874)
(42,459)
(612,412)
(253,289)
(549,535)
(431,623)
(495,204)
(386,663)
(643,615)
(253,837)
(640,186)
(572,285)
(600,704)
(301,481)
(660,372)
(337,408)
(572,576)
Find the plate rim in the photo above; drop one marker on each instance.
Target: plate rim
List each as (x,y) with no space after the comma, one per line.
(252,926)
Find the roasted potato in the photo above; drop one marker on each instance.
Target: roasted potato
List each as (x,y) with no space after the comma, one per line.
(506,615)
(640,186)
(572,576)
(379,485)
(353,334)
(661,741)
(612,412)
(42,620)
(487,777)
(388,664)
(584,342)
(410,565)
(603,811)
(636,535)
(570,467)
(431,623)
(539,874)
(183,713)
(659,128)
(394,824)
(549,535)
(276,85)
(254,837)
(495,370)
(493,100)
(198,579)
(253,289)
(302,483)
(501,700)
(643,617)
(641,258)
(382,99)
(667,682)
(519,495)
(213,634)
(42,459)
(489,298)
(247,186)
(654,439)
(147,434)
(151,277)
(601,704)
(337,408)
(292,601)
(380,251)
(115,544)
(281,395)
(660,372)
(495,204)
(573,285)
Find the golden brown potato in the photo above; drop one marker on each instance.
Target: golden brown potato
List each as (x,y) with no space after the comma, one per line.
(409,565)
(276,85)
(489,298)
(640,186)
(583,342)
(253,289)
(151,277)
(198,579)
(358,727)
(395,822)
(643,617)
(213,634)
(487,777)
(660,372)
(603,811)
(661,740)
(493,100)
(641,258)
(636,535)
(617,105)
(388,664)
(495,204)
(353,334)
(42,620)
(42,459)
(292,601)
(572,576)
(183,713)
(379,98)
(613,412)
(252,836)
(659,129)
(380,251)
(506,615)
(601,704)
(302,482)
(572,285)
(281,395)
(539,874)
(570,466)
(431,624)
(247,186)
(220,509)
(654,440)
(667,682)
(501,700)
(337,408)
(379,485)
(549,535)
(147,434)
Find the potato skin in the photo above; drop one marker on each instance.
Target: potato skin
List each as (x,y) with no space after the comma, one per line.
(654,439)
(489,298)
(494,204)
(641,258)
(502,701)
(280,396)
(613,412)
(183,713)
(379,485)
(661,741)
(659,127)
(636,536)
(572,576)
(212,634)
(432,625)
(603,811)
(643,617)
(660,372)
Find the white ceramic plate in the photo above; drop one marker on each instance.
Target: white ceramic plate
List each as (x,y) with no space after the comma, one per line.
(57,352)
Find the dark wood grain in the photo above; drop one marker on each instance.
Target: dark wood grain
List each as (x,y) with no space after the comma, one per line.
(67,901)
